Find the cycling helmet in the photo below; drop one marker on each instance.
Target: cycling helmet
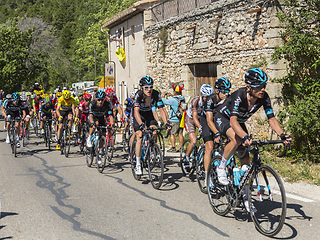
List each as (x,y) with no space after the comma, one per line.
(109,91)
(59,94)
(87,96)
(28,93)
(66,94)
(46,100)
(222,84)
(55,91)
(146,80)
(15,96)
(132,94)
(206,90)
(36,92)
(255,77)
(8,96)
(80,94)
(100,94)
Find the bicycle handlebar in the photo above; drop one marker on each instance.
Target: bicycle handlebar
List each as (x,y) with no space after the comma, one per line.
(260,143)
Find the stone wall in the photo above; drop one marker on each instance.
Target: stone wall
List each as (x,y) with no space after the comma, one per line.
(221,32)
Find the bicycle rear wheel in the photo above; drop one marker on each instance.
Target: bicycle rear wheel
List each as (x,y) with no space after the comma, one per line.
(48,136)
(218,194)
(200,171)
(186,167)
(67,142)
(267,195)
(155,165)
(103,158)
(110,144)
(35,125)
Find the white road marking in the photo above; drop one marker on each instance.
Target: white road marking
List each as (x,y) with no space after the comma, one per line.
(302,199)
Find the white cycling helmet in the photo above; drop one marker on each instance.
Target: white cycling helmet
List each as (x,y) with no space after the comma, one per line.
(206,90)
(132,94)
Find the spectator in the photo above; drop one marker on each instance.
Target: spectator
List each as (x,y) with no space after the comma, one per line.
(174,117)
(1,97)
(95,90)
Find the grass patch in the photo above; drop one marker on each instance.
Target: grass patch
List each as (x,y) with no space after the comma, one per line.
(292,168)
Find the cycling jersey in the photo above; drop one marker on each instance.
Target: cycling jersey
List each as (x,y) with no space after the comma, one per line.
(237,105)
(66,105)
(211,104)
(83,108)
(196,106)
(97,111)
(11,107)
(140,101)
(37,102)
(27,107)
(46,109)
(127,106)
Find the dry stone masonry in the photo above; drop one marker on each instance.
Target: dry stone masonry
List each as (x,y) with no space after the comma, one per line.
(223,32)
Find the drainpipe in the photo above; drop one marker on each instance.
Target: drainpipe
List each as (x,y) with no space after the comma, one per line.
(125,90)
(120,92)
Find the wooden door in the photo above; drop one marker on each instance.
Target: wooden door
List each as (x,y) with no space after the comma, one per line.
(205,73)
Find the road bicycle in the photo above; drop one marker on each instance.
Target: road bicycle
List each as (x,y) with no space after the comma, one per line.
(35,124)
(83,135)
(110,137)
(266,193)
(13,136)
(66,138)
(24,133)
(151,158)
(47,132)
(99,141)
(160,142)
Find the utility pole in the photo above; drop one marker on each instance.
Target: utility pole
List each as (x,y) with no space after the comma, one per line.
(95,63)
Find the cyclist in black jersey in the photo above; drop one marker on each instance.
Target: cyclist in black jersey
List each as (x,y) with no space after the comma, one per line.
(145,100)
(99,109)
(240,106)
(46,112)
(13,110)
(212,105)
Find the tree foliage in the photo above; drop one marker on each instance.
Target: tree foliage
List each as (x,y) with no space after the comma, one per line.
(66,32)
(301,90)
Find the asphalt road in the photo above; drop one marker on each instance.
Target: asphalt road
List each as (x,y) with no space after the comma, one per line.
(45,195)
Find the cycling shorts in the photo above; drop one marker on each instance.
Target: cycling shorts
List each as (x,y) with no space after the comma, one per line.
(146,117)
(222,124)
(190,125)
(206,133)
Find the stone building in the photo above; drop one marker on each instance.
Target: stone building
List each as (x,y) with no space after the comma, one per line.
(213,39)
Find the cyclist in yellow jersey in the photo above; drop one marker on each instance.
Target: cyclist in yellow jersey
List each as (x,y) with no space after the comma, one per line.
(66,108)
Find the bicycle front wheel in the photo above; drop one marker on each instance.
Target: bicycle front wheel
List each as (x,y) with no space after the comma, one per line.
(218,194)
(267,198)
(67,142)
(132,158)
(186,167)
(102,158)
(160,142)
(155,165)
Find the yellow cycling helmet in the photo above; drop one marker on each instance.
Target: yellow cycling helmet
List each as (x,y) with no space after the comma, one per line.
(66,94)
(59,94)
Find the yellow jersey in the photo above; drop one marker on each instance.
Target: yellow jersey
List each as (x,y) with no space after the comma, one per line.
(65,105)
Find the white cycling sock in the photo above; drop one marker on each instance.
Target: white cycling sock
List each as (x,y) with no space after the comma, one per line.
(223,163)
(187,158)
(205,175)
(138,163)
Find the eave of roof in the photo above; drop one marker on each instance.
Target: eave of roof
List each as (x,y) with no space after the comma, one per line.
(126,14)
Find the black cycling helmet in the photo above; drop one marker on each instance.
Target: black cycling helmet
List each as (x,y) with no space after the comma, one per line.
(100,94)
(222,84)
(255,77)
(16,96)
(146,80)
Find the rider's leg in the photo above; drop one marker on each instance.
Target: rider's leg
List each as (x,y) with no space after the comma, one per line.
(193,143)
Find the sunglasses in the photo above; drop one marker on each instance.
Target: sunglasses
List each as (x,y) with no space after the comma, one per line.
(87,100)
(224,91)
(100,99)
(147,87)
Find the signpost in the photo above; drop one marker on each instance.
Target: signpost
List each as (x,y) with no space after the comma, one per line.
(108,81)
